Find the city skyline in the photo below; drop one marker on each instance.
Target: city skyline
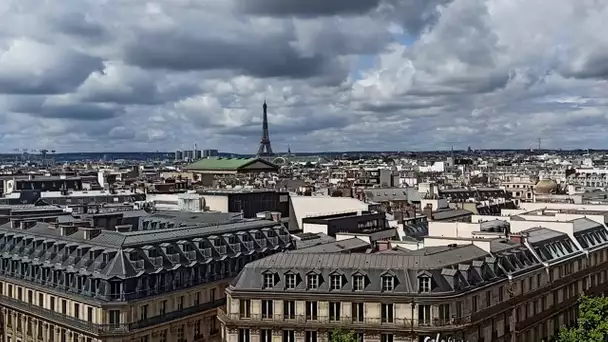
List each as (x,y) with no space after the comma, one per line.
(359,75)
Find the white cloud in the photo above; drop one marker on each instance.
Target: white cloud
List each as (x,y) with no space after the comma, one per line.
(140,75)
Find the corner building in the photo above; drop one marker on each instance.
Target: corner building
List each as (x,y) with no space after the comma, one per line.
(518,289)
(62,283)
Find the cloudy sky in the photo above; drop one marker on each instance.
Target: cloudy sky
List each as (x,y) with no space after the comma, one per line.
(135,75)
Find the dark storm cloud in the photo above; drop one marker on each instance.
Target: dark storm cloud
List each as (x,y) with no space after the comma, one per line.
(267,57)
(593,66)
(307,8)
(38,107)
(60,73)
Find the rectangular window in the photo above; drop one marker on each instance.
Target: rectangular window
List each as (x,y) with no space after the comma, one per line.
(144,312)
(289,309)
(358,312)
(289,336)
(424,284)
(444,313)
(180,303)
(52,304)
(501,291)
(268,280)
(64,307)
(474,304)
(388,283)
(245,310)
(387,313)
(358,283)
(76,310)
(197,298)
(244,335)
(488,298)
(40,299)
(313,281)
(311,336)
(336,282)
(290,281)
(311,311)
(334,311)
(163,307)
(386,338)
(265,335)
(114,316)
(267,309)
(90,314)
(424,314)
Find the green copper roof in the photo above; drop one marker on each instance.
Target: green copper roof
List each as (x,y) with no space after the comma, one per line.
(231,164)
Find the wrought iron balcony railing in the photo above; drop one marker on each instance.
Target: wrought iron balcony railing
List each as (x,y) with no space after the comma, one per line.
(106,329)
(320,321)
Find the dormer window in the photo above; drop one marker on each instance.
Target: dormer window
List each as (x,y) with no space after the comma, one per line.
(313,281)
(336,281)
(388,283)
(424,284)
(358,282)
(269,280)
(290,281)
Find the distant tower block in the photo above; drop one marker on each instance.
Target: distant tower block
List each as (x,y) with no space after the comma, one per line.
(265,150)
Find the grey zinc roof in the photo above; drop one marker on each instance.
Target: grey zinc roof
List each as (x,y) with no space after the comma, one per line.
(335,246)
(584,223)
(451,269)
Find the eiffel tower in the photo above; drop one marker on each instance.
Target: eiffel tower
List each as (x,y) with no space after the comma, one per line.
(265,150)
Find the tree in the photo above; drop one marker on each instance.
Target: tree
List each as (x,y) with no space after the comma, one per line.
(338,335)
(592,324)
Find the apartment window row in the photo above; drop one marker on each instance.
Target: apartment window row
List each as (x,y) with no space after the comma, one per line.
(265,335)
(33,327)
(357,314)
(336,281)
(49,302)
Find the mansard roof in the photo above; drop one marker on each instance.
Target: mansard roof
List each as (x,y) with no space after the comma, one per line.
(123,255)
(478,268)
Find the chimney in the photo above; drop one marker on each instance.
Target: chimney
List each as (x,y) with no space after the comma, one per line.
(67,230)
(428,212)
(15,224)
(23,225)
(91,233)
(275,216)
(123,228)
(520,238)
(383,245)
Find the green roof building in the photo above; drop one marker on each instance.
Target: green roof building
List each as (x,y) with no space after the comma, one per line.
(232,166)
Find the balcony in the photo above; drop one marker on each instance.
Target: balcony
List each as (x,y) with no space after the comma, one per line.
(105,329)
(322,322)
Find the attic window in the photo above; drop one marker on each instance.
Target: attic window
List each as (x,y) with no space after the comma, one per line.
(290,281)
(358,282)
(313,281)
(336,282)
(268,280)
(424,284)
(388,283)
